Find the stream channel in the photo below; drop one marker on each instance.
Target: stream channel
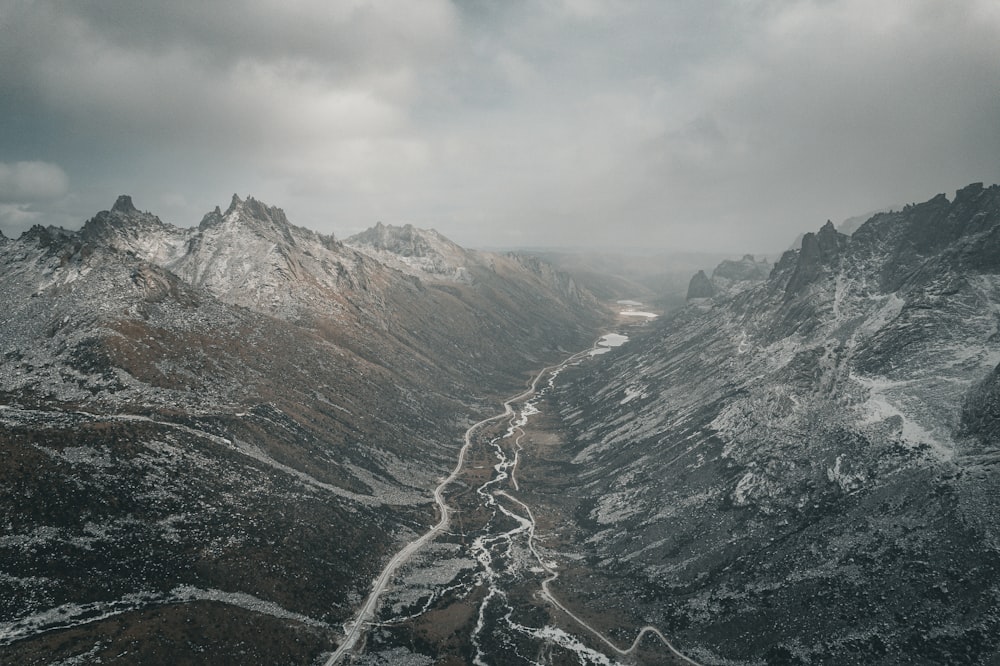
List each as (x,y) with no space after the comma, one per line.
(477,587)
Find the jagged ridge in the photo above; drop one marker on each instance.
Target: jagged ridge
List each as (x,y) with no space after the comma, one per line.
(236,421)
(804,471)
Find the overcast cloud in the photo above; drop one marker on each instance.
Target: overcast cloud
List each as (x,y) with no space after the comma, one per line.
(680,124)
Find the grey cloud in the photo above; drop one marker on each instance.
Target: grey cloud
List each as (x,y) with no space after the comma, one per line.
(343,35)
(27,182)
(682,123)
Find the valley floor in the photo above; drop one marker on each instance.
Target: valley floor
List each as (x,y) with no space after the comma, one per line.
(497,579)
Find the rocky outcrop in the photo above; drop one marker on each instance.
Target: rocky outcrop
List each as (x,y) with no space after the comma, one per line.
(700,287)
(746,269)
(406,241)
(981,412)
(123,204)
(729,278)
(818,257)
(433,259)
(423,253)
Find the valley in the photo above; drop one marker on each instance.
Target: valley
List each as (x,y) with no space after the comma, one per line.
(500,333)
(799,467)
(245,442)
(242,421)
(503,569)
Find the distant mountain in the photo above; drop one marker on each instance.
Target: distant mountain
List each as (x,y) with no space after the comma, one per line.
(803,470)
(426,254)
(215,436)
(729,277)
(659,279)
(851,224)
(422,252)
(249,255)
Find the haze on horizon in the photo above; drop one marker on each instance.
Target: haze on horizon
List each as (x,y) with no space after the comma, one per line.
(728,126)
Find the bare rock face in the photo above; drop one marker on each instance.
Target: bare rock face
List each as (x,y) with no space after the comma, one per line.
(819,255)
(423,253)
(806,472)
(123,205)
(405,241)
(700,286)
(747,269)
(981,411)
(729,278)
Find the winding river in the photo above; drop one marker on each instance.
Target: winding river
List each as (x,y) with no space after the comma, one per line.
(504,549)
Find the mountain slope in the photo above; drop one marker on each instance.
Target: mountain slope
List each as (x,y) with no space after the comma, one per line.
(421,252)
(231,426)
(805,471)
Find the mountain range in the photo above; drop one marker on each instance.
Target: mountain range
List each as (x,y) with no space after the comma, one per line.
(214,436)
(803,469)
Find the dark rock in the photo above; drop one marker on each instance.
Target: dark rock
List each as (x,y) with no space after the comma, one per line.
(700,286)
(981,412)
(233,203)
(746,269)
(123,204)
(819,254)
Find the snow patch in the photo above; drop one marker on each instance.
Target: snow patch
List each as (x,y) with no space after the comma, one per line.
(879,407)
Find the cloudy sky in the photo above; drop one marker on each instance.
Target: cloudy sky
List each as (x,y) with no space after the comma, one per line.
(684,124)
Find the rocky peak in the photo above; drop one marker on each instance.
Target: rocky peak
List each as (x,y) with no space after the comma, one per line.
(919,232)
(747,268)
(250,215)
(233,204)
(405,241)
(124,227)
(45,237)
(420,252)
(260,211)
(970,193)
(819,254)
(729,278)
(211,219)
(123,204)
(700,286)
(251,210)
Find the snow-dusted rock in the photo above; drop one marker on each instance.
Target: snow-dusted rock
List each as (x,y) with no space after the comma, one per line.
(819,451)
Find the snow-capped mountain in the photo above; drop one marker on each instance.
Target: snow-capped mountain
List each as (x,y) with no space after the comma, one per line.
(249,255)
(804,471)
(431,257)
(420,252)
(213,437)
